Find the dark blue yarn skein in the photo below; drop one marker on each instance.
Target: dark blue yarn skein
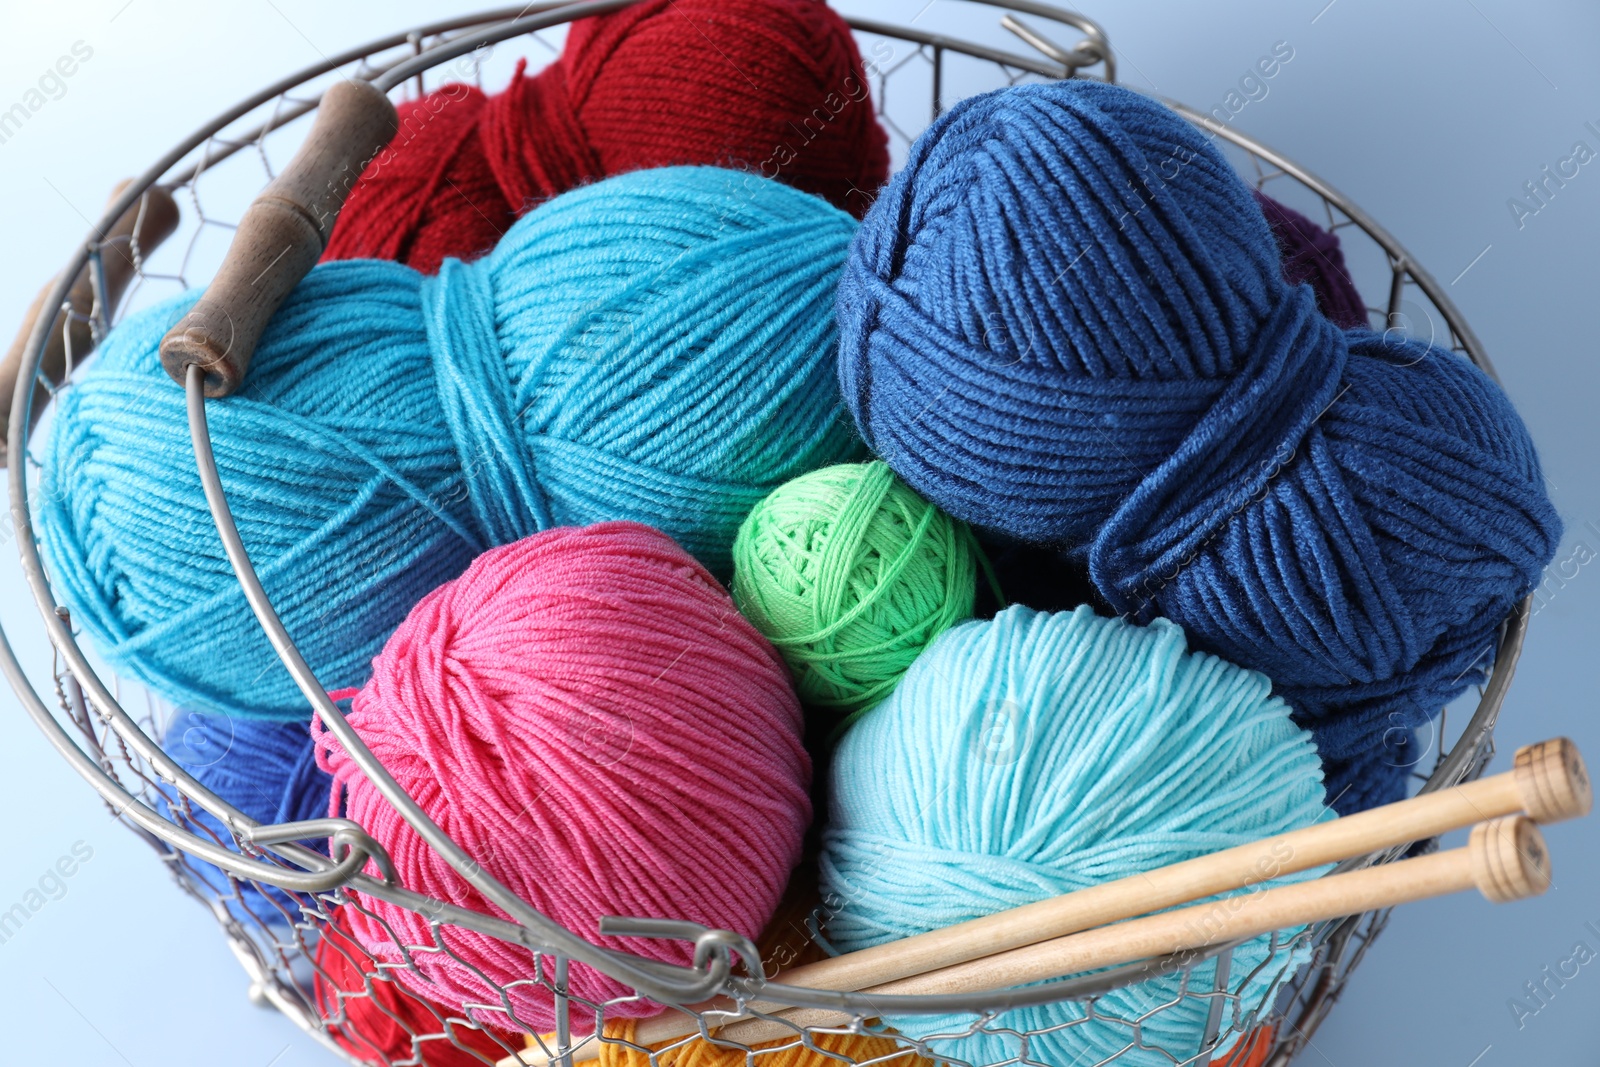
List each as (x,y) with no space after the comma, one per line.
(268,770)
(1065,321)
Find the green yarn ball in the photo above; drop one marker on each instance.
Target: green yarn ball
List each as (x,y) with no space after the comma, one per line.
(850,574)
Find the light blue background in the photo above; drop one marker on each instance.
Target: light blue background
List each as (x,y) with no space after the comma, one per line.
(1430,114)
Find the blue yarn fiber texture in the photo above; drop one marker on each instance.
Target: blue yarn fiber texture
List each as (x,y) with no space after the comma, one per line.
(1036,754)
(267,770)
(1065,321)
(657,347)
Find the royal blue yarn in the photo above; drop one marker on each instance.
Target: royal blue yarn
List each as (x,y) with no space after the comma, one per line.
(1035,754)
(1065,321)
(656,347)
(268,770)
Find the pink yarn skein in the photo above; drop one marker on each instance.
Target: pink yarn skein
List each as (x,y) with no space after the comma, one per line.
(587,713)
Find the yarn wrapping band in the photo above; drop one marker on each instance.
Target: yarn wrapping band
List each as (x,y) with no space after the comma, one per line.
(475,397)
(512,123)
(1245,437)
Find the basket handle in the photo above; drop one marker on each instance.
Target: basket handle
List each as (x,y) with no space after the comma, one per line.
(280,238)
(146,223)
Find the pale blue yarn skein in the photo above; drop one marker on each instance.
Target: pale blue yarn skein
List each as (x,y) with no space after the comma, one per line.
(656,347)
(1035,754)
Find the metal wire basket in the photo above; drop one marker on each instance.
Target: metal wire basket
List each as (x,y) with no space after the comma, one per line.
(111,733)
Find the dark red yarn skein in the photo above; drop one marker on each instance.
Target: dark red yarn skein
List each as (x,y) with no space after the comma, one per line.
(376,1019)
(775,86)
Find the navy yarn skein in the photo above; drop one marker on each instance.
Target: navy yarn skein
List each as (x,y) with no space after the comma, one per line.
(268,770)
(656,347)
(1065,320)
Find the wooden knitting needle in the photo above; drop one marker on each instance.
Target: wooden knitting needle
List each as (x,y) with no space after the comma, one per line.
(1548,781)
(280,238)
(1505,859)
(155,217)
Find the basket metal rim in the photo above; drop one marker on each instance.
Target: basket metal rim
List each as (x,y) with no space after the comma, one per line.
(1465,759)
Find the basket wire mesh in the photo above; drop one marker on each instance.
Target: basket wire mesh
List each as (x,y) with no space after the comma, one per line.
(278,897)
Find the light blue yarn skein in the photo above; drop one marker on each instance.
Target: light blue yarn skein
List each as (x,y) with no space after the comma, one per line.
(657,347)
(1035,754)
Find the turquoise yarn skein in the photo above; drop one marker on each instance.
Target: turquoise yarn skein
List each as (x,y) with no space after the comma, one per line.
(1034,754)
(656,347)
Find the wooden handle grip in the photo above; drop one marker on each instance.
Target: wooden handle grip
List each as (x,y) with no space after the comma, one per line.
(155,217)
(1505,859)
(1549,781)
(280,238)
